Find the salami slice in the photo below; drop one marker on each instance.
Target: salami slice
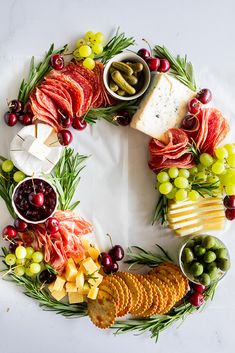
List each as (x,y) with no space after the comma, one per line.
(63,104)
(74,89)
(46,102)
(185,161)
(58,89)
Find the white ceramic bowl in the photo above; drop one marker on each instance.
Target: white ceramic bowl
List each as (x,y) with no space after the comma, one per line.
(127,56)
(19,214)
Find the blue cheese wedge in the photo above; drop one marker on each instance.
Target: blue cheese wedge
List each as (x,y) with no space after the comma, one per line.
(163,107)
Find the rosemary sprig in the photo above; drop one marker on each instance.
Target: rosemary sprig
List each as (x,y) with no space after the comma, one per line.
(37,72)
(180,67)
(160,212)
(146,258)
(34,289)
(7,185)
(109,113)
(116,45)
(158,323)
(203,188)
(192,148)
(66,177)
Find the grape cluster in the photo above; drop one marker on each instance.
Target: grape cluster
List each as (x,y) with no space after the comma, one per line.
(88,47)
(8,167)
(25,261)
(219,171)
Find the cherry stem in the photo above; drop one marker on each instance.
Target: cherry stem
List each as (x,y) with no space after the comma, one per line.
(110,238)
(33,186)
(145,40)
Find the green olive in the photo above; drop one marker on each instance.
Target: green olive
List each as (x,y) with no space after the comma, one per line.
(187,255)
(198,240)
(196,269)
(208,242)
(191,243)
(217,245)
(224,264)
(221,253)
(205,279)
(213,274)
(210,267)
(199,250)
(209,257)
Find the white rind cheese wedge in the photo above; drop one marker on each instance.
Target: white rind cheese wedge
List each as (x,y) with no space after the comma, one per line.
(196,217)
(32,150)
(164,106)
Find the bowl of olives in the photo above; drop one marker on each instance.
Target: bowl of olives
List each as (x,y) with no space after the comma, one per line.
(204,259)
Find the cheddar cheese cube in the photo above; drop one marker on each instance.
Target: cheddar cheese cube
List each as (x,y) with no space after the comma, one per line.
(93,253)
(86,243)
(93,292)
(71,271)
(96,279)
(71,287)
(58,295)
(89,266)
(59,284)
(80,279)
(75,298)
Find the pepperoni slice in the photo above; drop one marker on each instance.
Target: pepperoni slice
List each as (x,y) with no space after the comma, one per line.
(62,103)
(46,102)
(58,89)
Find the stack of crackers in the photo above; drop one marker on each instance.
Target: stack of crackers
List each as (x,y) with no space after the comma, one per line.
(139,295)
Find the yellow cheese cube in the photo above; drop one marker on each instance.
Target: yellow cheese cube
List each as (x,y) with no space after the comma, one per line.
(80,279)
(58,295)
(93,292)
(71,287)
(75,298)
(51,286)
(80,258)
(93,253)
(85,289)
(89,266)
(86,243)
(59,284)
(96,279)
(71,271)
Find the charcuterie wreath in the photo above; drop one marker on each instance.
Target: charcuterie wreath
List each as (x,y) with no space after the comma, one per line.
(48,252)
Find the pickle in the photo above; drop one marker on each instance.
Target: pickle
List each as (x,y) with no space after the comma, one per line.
(126,69)
(120,92)
(111,69)
(113,86)
(132,80)
(136,66)
(122,83)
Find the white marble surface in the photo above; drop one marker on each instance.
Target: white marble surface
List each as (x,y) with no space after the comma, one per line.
(203,29)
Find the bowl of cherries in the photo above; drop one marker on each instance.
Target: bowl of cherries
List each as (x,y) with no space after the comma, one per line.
(34,200)
(109,260)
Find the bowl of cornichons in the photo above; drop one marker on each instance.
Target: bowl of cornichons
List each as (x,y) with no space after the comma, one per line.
(126,76)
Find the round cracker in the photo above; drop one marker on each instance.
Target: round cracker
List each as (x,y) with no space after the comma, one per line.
(149,295)
(173,278)
(132,284)
(120,288)
(143,302)
(127,297)
(109,287)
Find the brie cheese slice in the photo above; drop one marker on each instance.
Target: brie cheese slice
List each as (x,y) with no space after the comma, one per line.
(163,107)
(33,150)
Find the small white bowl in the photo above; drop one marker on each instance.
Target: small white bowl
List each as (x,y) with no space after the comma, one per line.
(19,214)
(127,56)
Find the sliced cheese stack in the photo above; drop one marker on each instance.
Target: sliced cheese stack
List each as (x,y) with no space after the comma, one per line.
(196,217)
(34,151)
(163,107)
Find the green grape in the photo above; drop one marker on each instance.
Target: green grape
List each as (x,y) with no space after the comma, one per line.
(165,188)
(29,252)
(226,179)
(10,259)
(89,63)
(28,272)
(201,176)
(7,166)
(231,160)
(213,179)
(171,194)
(193,171)
(181,182)
(98,37)
(76,54)
(97,48)
(89,36)
(37,256)
(201,167)
(19,176)
(20,261)
(20,252)
(230,190)
(218,167)
(181,195)
(193,195)
(80,42)
(184,173)
(206,159)
(91,56)
(35,268)
(221,153)
(85,51)
(173,172)
(19,271)
(230,148)
(162,177)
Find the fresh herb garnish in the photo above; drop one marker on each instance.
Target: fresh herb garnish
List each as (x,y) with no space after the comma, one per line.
(7,185)
(37,73)
(116,45)
(109,113)
(204,188)
(180,67)
(66,177)
(160,212)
